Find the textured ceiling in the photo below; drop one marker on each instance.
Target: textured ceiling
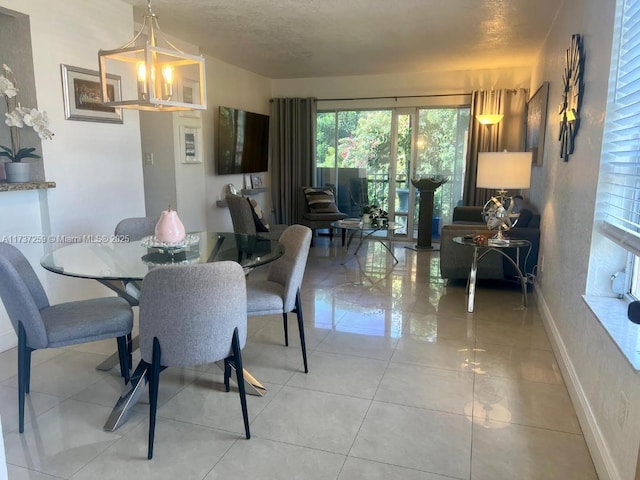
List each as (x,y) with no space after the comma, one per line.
(314,38)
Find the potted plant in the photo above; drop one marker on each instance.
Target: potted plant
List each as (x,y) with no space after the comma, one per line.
(371,214)
(17,117)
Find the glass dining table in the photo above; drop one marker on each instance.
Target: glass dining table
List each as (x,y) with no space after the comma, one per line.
(121,265)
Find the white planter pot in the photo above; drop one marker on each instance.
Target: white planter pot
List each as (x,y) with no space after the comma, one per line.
(366,219)
(17,172)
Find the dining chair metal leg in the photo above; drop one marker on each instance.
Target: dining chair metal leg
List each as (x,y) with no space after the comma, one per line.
(303,345)
(237,360)
(123,355)
(154,380)
(286,329)
(23,376)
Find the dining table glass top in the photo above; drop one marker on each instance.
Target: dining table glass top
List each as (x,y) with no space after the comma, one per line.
(123,260)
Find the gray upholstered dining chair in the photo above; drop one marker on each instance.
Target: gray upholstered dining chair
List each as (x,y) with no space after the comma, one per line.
(136,228)
(41,325)
(246,221)
(193,315)
(280,292)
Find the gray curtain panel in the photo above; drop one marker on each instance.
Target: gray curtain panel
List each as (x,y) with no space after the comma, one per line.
(293,147)
(506,135)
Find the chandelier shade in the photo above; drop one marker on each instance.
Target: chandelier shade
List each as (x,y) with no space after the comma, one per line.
(167,78)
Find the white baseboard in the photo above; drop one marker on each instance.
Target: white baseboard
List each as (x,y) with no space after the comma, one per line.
(600,454)
(8,340)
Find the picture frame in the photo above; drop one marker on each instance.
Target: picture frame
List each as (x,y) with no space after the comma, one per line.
(82,95)
(190,144)
(189,92)
(256,181)
(536,123)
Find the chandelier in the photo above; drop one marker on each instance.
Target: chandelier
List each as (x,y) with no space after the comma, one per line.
(167,78)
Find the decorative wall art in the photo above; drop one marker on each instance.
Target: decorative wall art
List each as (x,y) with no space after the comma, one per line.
(256,181)
(190,144)
(189,92)
(536,123)
(83,95)
(573,89)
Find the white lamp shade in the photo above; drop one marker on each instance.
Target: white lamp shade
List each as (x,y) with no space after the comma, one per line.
(504,170)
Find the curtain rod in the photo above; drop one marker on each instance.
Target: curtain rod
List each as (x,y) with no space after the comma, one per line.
(395,97)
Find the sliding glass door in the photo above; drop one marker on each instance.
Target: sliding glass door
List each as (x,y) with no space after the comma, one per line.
(371,155)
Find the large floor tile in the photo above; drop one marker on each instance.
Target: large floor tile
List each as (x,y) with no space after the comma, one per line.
(415,438)
(529,364)
(20,473)
(527,403)
(527,453)
(34,404)
(378,347)
(342,374)
(9,360)
(520,334)
(260,458)
(62,440)
(204,402)
(448,354)
(358,469)
(65,375)
(312,419)
(425,387)
(181,451)
(272,363)
(438,326)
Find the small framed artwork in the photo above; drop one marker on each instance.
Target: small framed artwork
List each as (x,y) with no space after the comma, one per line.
(190,145)
(189,92)
(256,181)
(83,96)
(536,123)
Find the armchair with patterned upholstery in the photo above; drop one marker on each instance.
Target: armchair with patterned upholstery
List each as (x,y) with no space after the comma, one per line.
(321,209)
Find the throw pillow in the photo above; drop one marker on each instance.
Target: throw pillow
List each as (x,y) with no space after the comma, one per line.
(258,217)
(321,200)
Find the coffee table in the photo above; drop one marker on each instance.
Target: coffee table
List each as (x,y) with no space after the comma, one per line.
(366,231)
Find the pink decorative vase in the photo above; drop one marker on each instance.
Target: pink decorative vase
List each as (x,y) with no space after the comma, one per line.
(169,228)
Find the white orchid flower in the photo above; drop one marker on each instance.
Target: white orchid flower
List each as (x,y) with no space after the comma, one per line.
(18,116)
(14,118)
(7,88)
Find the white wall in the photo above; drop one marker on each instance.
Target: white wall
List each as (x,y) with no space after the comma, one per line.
(565,193)
(97,166)
(402,84)
(233,87)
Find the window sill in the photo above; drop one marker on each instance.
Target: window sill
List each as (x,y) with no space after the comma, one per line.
(612,314)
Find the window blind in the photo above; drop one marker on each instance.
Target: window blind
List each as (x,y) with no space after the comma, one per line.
(619,199)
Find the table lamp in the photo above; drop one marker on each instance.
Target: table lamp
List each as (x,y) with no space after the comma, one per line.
(502,171)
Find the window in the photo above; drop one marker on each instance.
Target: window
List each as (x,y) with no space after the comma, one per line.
(618,209)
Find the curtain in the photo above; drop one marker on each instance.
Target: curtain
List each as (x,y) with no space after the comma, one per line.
(506,135)
(292,140)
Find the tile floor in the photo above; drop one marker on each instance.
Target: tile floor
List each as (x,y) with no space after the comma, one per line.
(402,384)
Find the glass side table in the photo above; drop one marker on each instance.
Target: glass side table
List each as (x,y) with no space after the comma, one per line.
(479,251)
(366,231)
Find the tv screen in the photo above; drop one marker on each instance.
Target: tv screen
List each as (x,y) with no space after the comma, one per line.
(243,142)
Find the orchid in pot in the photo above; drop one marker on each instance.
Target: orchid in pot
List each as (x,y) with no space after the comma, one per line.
(17,117)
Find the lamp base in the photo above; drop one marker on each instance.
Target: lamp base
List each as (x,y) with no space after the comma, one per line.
(499,214)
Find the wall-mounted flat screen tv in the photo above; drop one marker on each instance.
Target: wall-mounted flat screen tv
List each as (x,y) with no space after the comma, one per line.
(243,142)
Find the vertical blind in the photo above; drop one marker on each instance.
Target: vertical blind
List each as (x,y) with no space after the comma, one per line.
(619,199)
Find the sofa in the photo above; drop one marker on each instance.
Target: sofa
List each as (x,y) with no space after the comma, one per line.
(455,259)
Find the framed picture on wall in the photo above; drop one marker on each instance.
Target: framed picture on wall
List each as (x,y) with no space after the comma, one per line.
(190,144)
(189,92)
(536,123)
(82,95)
(256,181)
